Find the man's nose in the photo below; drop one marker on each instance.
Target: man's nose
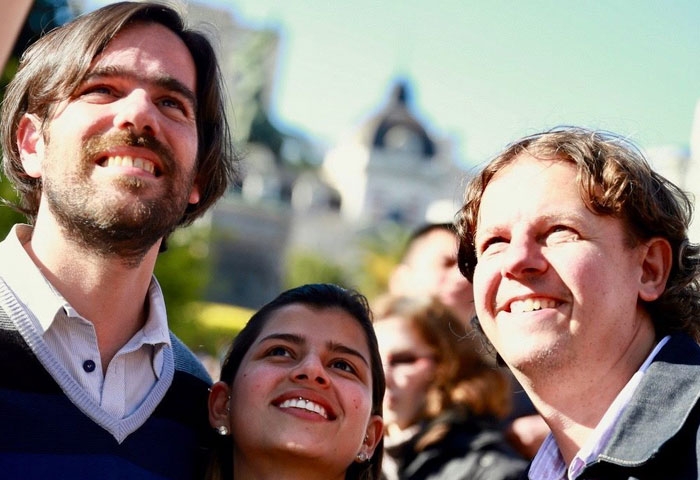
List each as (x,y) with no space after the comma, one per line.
(522,256)
(136,111)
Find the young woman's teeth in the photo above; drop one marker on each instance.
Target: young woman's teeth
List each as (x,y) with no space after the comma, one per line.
(305,405)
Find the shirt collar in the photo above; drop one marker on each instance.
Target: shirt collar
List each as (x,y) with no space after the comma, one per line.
(549,464)
(156,330)
(26,280)
(40,297)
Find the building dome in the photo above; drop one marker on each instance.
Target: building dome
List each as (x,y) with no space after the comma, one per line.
(394,127)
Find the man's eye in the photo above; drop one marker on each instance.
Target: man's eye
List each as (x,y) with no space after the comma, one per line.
(97,90)
(173,103)
(492,244)
(561,233)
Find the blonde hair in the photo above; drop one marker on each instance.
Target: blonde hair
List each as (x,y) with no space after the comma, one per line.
(464,379)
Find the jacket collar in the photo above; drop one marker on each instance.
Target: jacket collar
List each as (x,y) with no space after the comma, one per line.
(657,411)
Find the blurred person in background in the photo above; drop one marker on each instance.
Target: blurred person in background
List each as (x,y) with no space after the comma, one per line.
(428,267)
(443,400)
(301,389)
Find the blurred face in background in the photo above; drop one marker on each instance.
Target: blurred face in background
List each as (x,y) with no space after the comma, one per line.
(430,269)
(409,367)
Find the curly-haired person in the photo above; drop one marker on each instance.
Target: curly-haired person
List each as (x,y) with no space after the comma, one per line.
(586,284)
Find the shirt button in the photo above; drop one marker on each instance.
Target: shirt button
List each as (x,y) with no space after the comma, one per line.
(89,366)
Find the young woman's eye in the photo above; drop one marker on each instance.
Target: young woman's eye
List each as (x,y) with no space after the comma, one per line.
(343,365)
(278,352)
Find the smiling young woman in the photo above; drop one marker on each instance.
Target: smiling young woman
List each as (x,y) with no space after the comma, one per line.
(301,391)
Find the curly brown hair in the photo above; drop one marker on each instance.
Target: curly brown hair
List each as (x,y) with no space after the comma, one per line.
(615,179)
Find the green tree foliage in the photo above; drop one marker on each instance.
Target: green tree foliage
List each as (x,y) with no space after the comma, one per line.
(8,215)
(308,267)
(382,248)
(183,271)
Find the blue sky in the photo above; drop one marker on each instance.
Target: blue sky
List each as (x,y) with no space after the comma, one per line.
(485,73)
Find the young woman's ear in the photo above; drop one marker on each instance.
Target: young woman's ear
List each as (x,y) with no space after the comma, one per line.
(220,407)
(375,431)
(30,143)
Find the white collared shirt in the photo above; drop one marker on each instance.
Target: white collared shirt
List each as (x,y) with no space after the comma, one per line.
(71,339)
(548,464)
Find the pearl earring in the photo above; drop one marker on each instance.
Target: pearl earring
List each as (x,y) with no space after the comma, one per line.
(222,430)
(362,457)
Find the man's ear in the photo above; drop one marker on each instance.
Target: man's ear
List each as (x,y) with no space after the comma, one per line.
(656,267)
(194,193)
(30,143)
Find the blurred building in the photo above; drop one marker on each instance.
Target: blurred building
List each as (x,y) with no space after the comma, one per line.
(390,168)
(248,236)
(681,165)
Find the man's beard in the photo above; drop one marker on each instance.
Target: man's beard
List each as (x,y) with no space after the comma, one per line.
(109,227)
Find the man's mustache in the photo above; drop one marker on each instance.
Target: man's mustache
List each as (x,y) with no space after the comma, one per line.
(101,143)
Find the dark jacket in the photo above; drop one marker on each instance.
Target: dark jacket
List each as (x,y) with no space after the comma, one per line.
(465,448)
(658,435)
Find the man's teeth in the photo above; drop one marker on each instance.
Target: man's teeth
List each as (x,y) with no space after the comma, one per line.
(304,404)
(530,304)
(136,162)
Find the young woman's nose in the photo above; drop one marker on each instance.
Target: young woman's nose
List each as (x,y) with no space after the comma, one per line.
(311,369)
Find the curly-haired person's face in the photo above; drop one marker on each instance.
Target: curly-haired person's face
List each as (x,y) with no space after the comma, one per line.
(120,154)
(557,288)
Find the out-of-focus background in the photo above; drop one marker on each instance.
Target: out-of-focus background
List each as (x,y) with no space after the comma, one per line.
(360,120)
